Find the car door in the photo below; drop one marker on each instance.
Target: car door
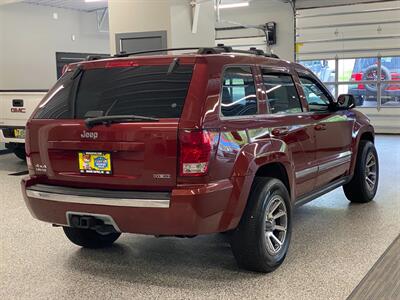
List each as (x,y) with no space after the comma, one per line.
(332,129)
(292,124)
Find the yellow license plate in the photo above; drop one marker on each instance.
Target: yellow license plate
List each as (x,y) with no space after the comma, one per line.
(19,133)
(95,162)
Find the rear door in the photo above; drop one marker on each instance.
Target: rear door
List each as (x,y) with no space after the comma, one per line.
(127,155)
(293,125)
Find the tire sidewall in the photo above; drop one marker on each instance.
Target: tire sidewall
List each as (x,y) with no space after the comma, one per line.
(274,187)
(368,148)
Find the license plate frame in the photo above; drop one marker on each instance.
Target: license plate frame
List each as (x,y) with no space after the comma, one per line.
(94,162)
(19,133)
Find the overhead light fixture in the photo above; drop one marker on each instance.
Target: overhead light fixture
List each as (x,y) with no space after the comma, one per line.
(234,5)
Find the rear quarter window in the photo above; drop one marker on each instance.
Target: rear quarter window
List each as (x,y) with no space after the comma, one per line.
(56,104)
(238,95)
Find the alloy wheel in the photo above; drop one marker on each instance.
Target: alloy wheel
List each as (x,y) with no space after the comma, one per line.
(276,224)
(370,171)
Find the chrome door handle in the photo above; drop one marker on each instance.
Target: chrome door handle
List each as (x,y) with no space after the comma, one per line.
(320,127)
(280,131)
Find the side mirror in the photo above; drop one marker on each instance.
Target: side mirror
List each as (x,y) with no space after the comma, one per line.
(346,101)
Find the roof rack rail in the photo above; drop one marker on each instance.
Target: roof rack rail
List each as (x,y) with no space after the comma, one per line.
(96,57)
(220,48)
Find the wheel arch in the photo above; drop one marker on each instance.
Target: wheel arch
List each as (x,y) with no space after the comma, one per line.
(275,170)
(280,168)
(368,136)
(366,133)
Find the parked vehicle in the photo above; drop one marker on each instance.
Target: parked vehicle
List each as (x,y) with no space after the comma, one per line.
(367,69)
(15,110)
(200,143)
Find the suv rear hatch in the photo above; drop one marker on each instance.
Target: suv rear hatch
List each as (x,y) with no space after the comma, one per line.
(120,153)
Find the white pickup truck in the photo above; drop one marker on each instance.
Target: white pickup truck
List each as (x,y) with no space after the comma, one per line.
(15,109)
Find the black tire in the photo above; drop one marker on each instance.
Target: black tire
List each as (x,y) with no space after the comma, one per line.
(248,240)
(384,71)
(88,238)
(358,189)
(20,153)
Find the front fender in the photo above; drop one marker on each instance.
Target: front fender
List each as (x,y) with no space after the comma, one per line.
(360,127)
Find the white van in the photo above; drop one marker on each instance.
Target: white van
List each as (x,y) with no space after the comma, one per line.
(15,109)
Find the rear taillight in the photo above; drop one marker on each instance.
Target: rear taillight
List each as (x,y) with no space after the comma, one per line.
(196,148)
(394,87)
(395,76)
(358,77)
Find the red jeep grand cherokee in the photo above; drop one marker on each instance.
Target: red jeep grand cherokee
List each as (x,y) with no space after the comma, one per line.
(214,141)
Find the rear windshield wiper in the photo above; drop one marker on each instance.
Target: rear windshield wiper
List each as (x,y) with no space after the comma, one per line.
(108,120)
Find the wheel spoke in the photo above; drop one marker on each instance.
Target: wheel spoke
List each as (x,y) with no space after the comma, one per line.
(281,213)
(276,239)
(369,182)
(371,164)
(279,228)
(273,208)
(269,242)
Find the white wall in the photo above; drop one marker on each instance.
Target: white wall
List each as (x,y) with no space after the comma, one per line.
(173,16)
(181,25)
(30,37)
(260,12)
(137,16)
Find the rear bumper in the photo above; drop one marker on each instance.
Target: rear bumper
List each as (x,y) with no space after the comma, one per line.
(187,210)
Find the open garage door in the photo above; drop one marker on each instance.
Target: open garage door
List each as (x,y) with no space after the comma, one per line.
(356,49)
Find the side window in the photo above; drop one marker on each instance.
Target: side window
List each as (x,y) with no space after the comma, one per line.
(316,97)
(238,92)
(281,93)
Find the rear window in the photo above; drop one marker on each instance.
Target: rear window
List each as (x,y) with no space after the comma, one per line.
(143,90)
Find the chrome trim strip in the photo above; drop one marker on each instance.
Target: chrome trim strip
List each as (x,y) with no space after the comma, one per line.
(334,163)
(342,158)
(343,154)
(123,202)
(306,172)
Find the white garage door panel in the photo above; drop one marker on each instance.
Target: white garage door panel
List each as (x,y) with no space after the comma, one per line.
(355,32)
(350,32)
(366,45)
(345,8)
(342,20)
(374,27)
